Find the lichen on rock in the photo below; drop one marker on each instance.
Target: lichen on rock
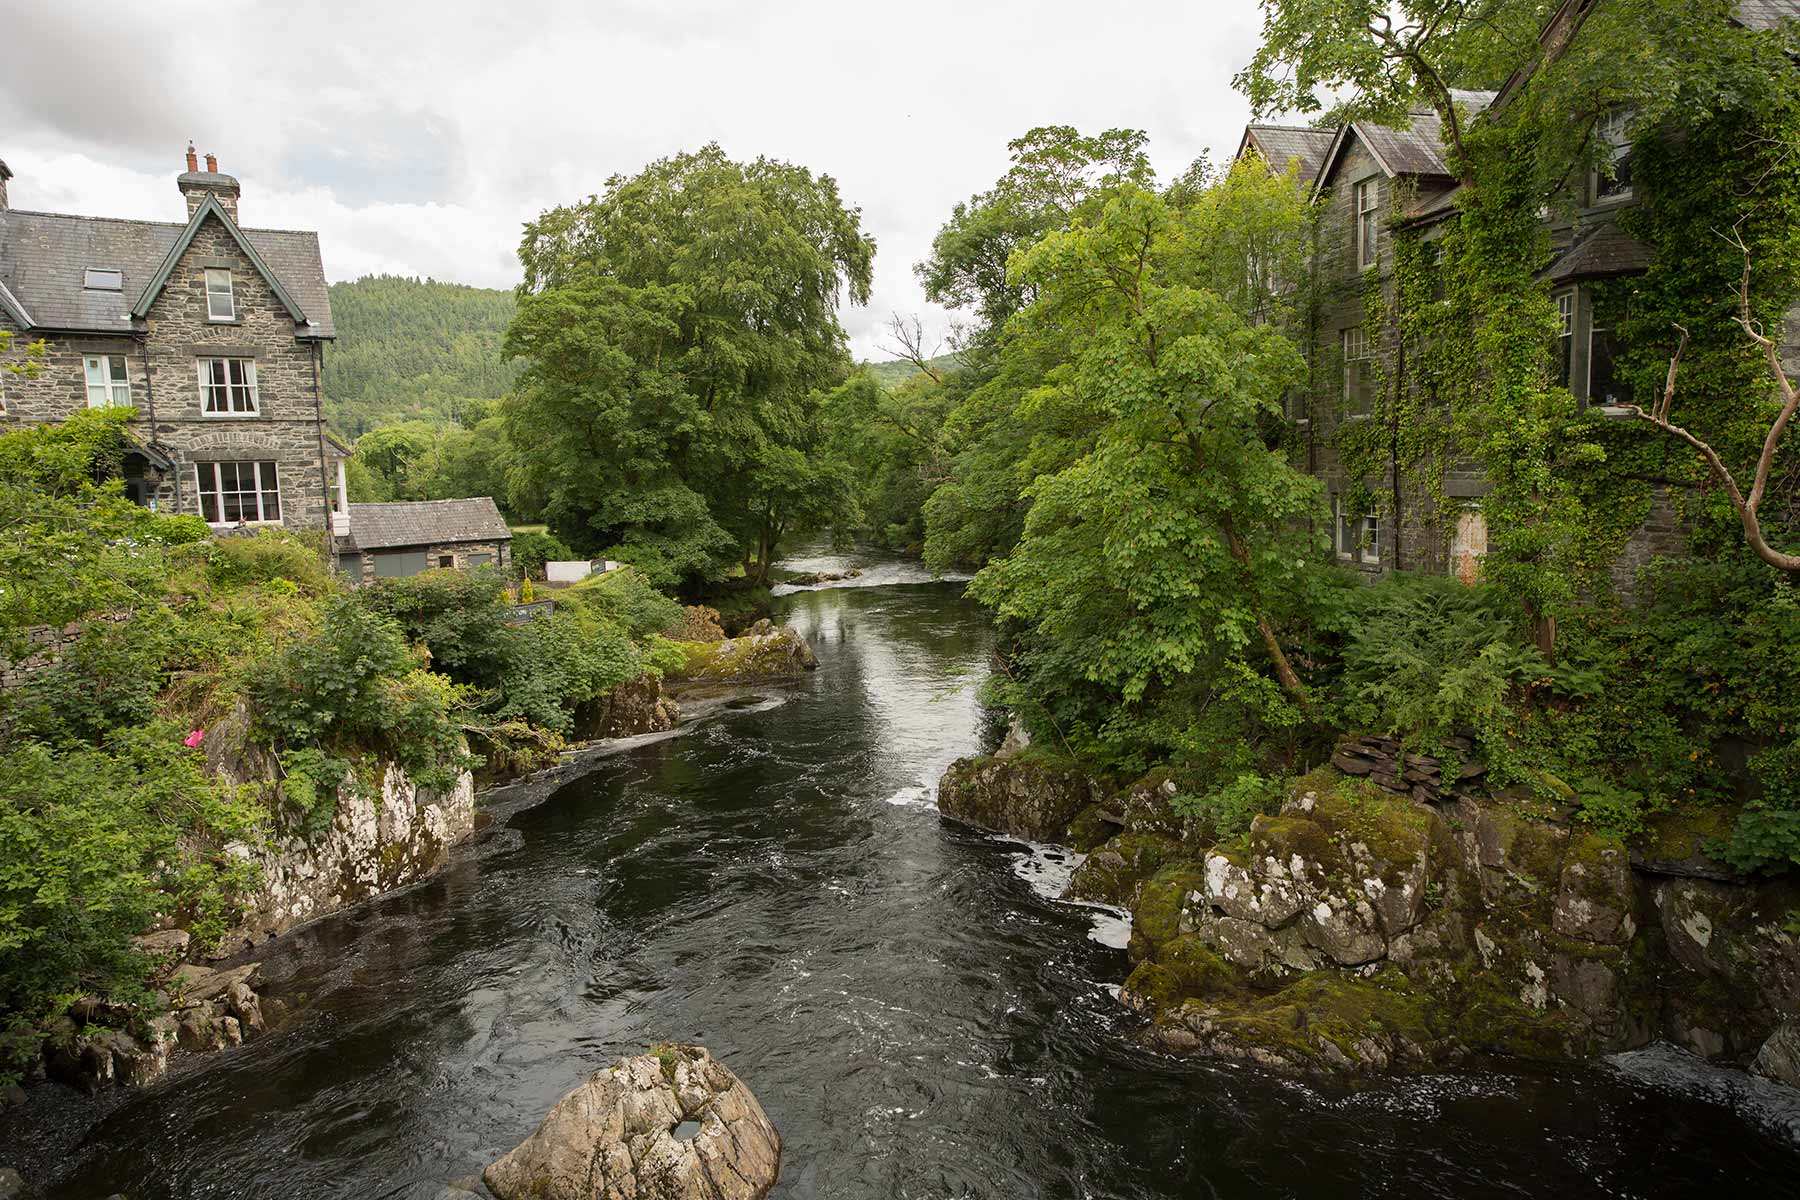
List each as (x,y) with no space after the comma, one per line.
(614,1137)
(765,652)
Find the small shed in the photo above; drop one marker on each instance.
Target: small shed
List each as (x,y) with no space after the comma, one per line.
(392,541)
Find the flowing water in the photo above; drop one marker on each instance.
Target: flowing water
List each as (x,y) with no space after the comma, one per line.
(917,1016)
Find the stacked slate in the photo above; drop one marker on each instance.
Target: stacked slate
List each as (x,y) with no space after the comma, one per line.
(1384,762)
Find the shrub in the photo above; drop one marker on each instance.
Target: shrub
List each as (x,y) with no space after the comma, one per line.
(1230,809)
(531,549)
(271,554)
(561,661)
(1426,656)
(328,684)
(460,618)
(627,599)
(97,841)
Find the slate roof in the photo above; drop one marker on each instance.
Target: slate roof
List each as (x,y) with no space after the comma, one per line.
(426,522)
(1281,144)
(1602,253)
(44,257)
(1766,14)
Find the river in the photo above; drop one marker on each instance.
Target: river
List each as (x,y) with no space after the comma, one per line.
(916,1014)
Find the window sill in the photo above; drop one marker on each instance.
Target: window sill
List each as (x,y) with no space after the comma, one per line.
(223,526)
(224,320)
(247,416)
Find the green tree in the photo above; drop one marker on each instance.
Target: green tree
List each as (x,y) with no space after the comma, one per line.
(680,332)
(1157,567)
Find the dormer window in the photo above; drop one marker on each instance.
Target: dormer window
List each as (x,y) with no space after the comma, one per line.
(97,279)
(219,304)
(1610,182)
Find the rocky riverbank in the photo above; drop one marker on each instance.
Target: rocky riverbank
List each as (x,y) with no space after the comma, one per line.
(1396,924)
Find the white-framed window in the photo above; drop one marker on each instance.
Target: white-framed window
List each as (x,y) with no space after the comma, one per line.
(100,279)
(1355,345)
(219,303)
(1356,537)
(107,385)
(1611,181)
(234,493)
(228,387)
(1565,337)
(1368,217)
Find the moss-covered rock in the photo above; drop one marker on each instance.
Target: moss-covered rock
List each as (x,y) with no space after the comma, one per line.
(1161,900)
(1031,794)
(1092,827)
(766,652)
(1113,873)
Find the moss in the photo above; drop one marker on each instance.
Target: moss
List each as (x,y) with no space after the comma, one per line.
(1090,828)
(1281,838)
(1602,858)
(1187,969)
(1335,1008)
(1683,831)
(1112,873)
(1156,916)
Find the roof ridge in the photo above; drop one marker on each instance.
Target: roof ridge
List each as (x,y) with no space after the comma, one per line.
(39,212)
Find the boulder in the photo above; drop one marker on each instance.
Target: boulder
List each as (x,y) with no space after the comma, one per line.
(163,941)
(765,652)
(674,1124)
(1027,795)
(1113,873)
(1779,1058)
(194,984)
(633,707)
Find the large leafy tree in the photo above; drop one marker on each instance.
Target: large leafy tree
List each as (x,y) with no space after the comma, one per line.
(992,444)
(1155,571)
(680,331)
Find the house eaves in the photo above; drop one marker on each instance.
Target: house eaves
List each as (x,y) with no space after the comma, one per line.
(9,304)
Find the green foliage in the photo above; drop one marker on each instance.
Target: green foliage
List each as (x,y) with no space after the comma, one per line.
(531,549)
(266,556)
(414,349)
(1153,569)
(1425,656)
(95,841)
(680,331)
(1229,809)
(626,599)
(1617,811)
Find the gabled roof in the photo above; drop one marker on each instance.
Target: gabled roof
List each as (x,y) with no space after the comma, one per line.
(43,257)
(1417,150)
(1766,14)
(1280,145)
(1602,253)
(426,523)
(210,207)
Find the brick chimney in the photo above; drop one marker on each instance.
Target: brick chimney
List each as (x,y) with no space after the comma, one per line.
(197,185)
(5,174)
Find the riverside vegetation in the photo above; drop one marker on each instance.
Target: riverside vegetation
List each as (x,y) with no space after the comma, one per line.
(1395,818)
(177,701)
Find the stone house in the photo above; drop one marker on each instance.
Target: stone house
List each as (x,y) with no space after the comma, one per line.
(1373,182)
(212,331)
(392,541)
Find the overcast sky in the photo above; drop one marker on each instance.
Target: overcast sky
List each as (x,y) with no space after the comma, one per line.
(418,135)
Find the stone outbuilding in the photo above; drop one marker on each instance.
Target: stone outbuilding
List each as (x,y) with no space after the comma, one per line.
(392,541)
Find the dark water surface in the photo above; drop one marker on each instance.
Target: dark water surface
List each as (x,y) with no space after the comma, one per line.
(915,1017)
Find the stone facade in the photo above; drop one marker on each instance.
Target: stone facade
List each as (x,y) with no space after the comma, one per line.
(162,350)
(359,565)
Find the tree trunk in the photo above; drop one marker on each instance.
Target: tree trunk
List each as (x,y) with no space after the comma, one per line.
(1284,670)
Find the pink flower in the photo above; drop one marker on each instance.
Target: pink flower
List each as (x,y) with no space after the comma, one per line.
(194,738)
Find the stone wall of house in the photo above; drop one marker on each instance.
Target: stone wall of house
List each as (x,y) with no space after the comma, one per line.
(163,374)
(460,551)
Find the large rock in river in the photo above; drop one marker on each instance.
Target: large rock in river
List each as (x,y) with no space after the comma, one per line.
(1028,794)
(674,1124)
(765,652)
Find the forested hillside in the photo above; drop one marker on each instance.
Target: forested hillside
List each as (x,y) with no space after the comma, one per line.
(413,348)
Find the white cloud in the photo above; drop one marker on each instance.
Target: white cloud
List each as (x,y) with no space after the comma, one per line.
(417,137)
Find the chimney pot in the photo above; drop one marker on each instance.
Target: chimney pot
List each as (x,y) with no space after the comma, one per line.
(212,164)
(193,163)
